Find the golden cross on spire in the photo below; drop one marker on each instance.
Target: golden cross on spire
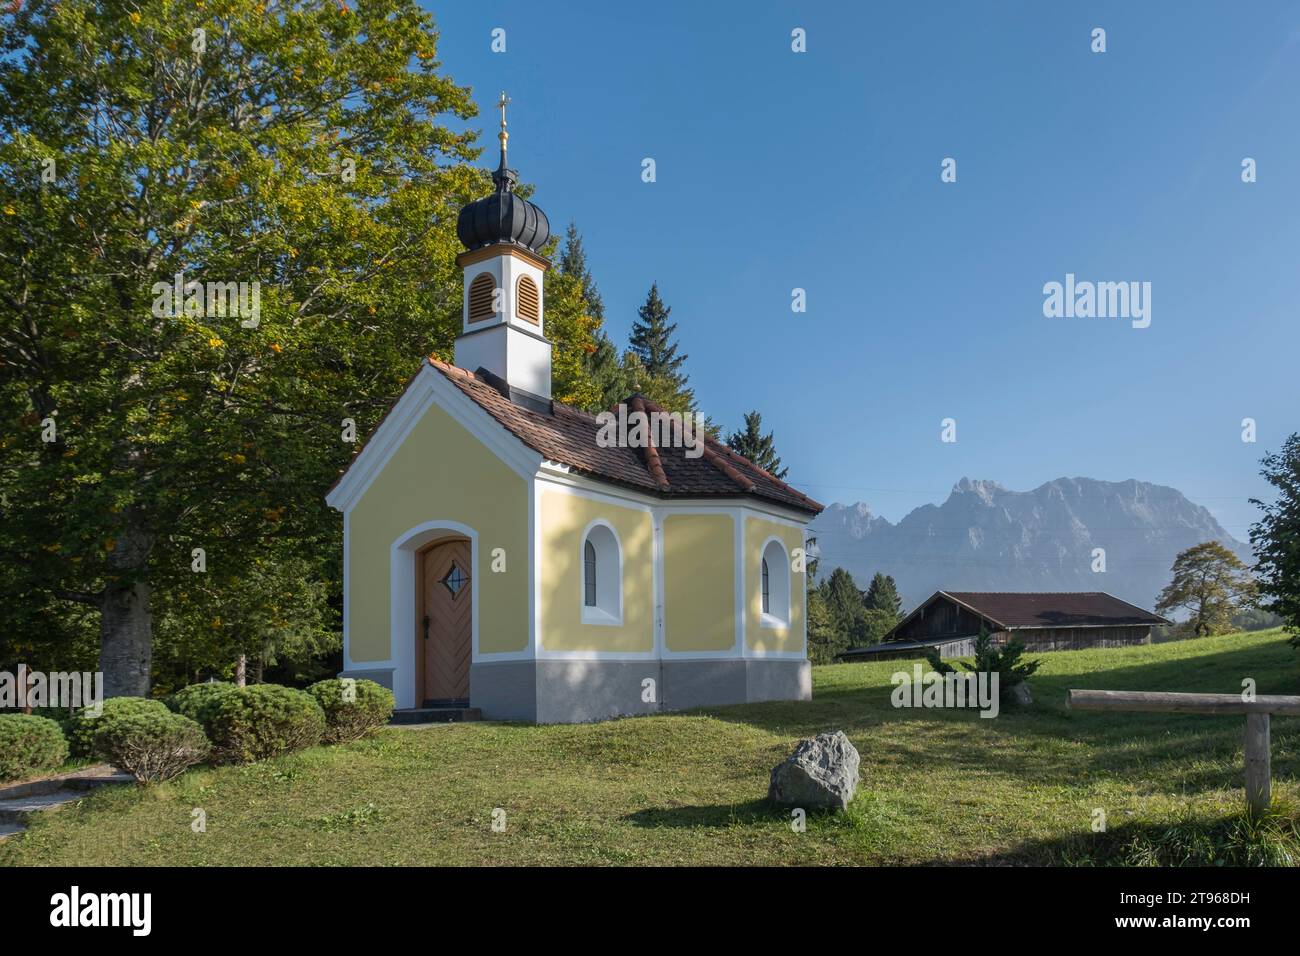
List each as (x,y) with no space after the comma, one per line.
(503,136)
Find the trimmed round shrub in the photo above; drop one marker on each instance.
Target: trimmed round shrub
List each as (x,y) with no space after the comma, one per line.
(83,727)
(352,708)
(152,746)
(199,702)
(30,746)
(60,715)
(264,721)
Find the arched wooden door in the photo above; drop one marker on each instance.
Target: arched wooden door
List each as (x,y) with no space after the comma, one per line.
(445,642)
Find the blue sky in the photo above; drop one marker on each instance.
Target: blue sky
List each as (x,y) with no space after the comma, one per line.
(821,170)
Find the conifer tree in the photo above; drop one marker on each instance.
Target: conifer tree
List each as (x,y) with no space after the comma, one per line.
(610,374)
(573,262)
(757,447)
(652,343)
(882,595)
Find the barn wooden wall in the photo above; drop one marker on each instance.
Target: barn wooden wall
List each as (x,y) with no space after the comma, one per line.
(946,619)
(940,619)
(1078,638)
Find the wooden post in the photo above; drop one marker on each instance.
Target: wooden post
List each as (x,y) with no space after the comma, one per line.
(1256,709)
(1258,787)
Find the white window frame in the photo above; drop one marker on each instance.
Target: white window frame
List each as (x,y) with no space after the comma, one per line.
(608,611)
(779,584)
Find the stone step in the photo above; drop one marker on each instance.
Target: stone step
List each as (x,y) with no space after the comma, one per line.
(90,783)
(87,778)
(10,829)
(18,809)
(435,715)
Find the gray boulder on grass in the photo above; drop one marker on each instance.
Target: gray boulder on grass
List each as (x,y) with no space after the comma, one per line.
(1020,695)
(822,772)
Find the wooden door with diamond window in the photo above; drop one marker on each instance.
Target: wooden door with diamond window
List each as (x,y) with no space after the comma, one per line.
(446,621)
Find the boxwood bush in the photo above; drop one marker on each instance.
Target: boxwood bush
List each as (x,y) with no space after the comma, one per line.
(30,746)
(199,702)
(262,721)
(152,746)
(352,708)
(83,727)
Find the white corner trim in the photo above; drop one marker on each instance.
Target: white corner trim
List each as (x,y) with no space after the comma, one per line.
(658,584)
(534,571)
(347,600)
(742,610)
(803,594)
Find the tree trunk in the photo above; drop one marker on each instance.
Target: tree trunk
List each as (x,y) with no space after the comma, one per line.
(126,621)
(126,640)
(241,671)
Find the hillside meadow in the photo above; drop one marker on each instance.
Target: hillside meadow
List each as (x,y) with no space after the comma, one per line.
(937,787)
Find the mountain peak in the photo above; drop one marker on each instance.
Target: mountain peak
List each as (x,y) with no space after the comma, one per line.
(988,538)
(983,487)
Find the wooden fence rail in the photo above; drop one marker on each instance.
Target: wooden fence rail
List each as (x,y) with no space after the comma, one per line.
(1256,709)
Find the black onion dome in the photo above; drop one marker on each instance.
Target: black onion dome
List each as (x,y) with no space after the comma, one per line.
(503,217)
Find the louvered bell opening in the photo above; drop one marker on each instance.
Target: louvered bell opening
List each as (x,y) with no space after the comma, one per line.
(529,301)
(481,293)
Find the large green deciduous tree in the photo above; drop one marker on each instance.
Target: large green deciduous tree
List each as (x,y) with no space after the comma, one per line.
(1276,537)
(1212,584)
(297,145)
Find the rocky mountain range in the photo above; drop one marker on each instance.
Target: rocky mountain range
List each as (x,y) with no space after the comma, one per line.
(987,538)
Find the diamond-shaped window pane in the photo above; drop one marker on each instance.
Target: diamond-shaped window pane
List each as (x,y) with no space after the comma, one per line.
(455,579)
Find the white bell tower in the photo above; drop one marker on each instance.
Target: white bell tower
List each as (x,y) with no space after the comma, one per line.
(502,314)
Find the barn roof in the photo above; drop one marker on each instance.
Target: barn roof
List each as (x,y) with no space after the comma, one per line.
(1020,610)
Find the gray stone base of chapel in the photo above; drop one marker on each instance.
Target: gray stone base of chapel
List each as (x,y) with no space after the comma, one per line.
(566,692)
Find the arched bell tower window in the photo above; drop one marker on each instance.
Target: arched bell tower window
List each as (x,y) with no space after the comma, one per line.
(482,295)
(602,576)
(775,585)
(530,300)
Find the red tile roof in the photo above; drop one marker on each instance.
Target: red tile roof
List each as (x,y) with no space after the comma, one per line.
(568,436)
(1017,609)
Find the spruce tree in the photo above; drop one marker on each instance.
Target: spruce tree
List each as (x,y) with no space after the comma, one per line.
(573,262)
(882,595)
(610,374)
(652,343)
(757,447)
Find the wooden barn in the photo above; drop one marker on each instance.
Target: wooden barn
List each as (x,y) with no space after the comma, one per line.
(1042,621)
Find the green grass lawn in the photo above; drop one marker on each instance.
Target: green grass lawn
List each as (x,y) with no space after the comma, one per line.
(937,787)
